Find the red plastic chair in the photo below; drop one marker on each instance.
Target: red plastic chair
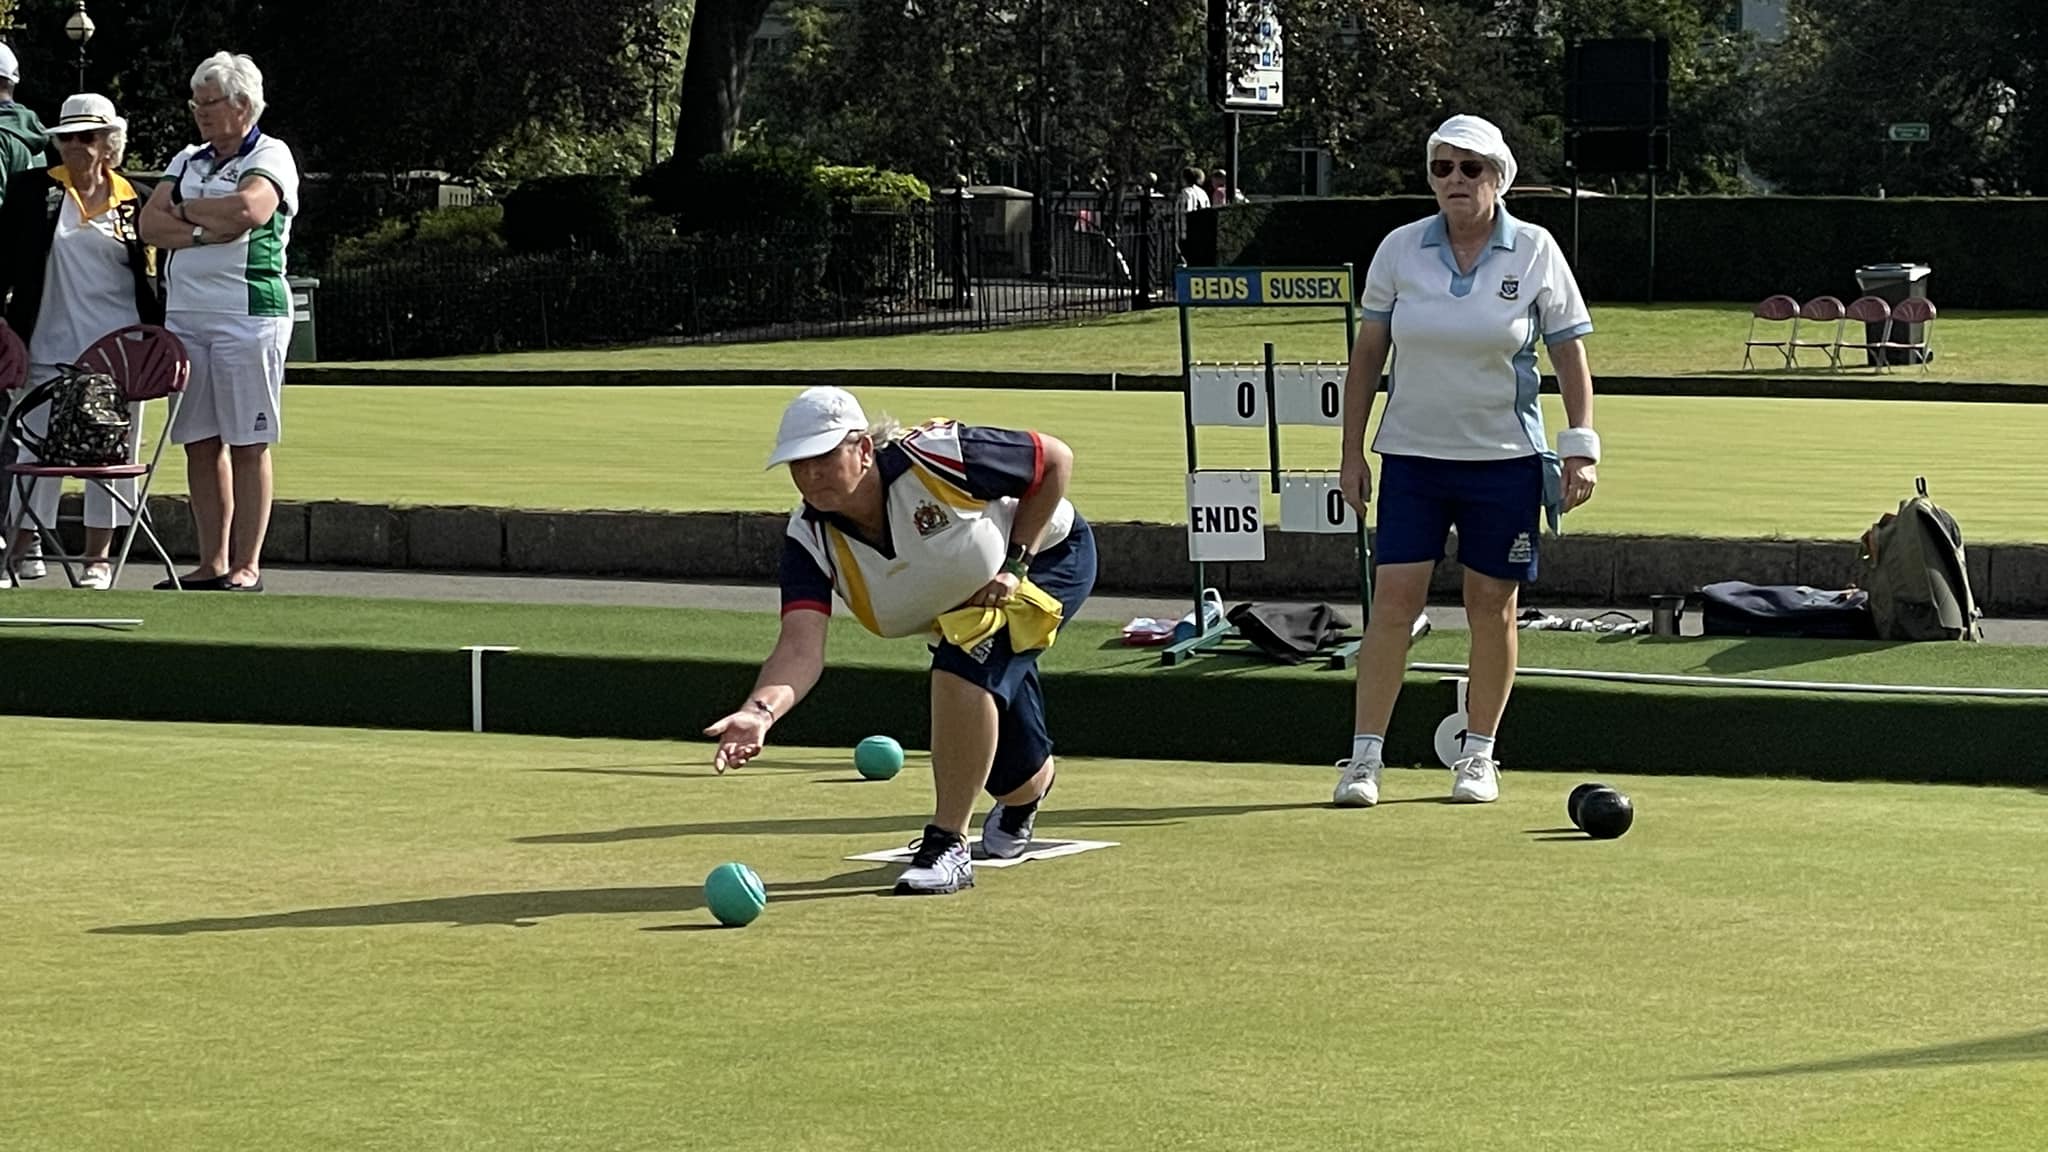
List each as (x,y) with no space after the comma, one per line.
(13,361)
(1910,311)
(149,363)
(1774,310)
(1871,312)
(1819,310)
(13,374)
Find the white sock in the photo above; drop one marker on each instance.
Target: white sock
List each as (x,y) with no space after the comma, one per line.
(1366,749)
(1477,745)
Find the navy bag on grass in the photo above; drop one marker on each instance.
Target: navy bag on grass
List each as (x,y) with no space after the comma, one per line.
(1739,608)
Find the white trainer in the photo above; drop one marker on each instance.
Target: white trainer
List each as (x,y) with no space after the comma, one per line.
(99,577)
(941,866)
(1475,780)
(1358,785)
(31,566)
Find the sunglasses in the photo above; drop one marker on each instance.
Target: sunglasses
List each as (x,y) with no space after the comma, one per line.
(1442,169)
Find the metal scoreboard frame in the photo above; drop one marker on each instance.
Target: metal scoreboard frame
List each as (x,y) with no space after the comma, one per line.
(1267,394)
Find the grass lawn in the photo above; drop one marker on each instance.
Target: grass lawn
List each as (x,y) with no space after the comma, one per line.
(1707,467)
(1629,340)
(246,938)
(315,621)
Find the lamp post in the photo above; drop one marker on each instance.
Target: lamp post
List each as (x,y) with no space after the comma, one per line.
(79,29)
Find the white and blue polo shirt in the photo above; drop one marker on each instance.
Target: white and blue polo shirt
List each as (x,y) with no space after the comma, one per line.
(1463,380)
(952,492)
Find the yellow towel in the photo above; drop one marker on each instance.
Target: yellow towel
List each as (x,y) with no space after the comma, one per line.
(1032,615)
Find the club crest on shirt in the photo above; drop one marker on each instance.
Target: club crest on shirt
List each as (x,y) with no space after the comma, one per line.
(929,518)
(1510,287)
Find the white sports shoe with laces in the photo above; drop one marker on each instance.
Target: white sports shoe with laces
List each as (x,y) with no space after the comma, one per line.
(1475,780)
(1358,784)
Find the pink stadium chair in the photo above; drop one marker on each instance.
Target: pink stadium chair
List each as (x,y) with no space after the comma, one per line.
(1866,311)
(1910,311)
(149,363)
(1819,310)
(1775,310)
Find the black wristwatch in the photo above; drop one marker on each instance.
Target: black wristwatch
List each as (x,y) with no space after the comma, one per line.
(1019,560)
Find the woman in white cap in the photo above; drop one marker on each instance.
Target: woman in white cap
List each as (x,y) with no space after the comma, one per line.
(957,534)
(224,212)
(1461,298)
(76,264)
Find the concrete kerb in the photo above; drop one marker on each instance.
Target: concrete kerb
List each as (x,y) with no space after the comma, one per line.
(2010,580)
(1901,387)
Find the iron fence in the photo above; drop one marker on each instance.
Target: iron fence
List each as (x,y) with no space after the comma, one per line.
(934,267)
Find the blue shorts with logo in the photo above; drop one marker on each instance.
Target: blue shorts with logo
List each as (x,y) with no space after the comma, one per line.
(1496,506)
(1066,571)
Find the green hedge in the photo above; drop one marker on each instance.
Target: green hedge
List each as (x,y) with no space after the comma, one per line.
(1218,709)
(1708,248)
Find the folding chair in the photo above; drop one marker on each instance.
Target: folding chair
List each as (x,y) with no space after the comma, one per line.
(1869,311)
(1775,310)
(148,363)
(1907,313)
(1820,310)
(13,374)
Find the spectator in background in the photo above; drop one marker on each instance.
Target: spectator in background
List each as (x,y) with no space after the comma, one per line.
(225,212)
(1193,197)
(24,142)
(74,267)
(24,146)
(1220,189)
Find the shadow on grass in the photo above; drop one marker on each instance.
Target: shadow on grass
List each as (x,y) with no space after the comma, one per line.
(689,769)
(2019,1047)
(1756,653)
(908,825)
(513,909)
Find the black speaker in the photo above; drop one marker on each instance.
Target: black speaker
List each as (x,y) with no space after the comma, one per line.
(1617,150)
(1617,83)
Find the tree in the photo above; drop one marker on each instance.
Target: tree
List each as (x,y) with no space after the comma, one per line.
(1843,73)
(714,82)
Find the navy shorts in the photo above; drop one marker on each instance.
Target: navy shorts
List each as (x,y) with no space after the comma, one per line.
(1496,505)
(1066,571)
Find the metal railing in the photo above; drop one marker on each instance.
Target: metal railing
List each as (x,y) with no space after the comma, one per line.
(949,264)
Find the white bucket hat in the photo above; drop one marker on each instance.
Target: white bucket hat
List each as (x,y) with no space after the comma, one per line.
(10,68)
(815,423)
(1474,134)
(87,112)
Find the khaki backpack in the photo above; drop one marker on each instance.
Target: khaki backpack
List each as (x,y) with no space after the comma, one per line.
(1915,572)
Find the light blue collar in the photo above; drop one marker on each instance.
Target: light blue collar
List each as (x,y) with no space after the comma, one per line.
(1438,234)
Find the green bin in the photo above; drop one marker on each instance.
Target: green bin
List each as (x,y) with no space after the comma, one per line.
(305,345)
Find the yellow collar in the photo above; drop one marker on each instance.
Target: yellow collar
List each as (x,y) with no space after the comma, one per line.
(120,191)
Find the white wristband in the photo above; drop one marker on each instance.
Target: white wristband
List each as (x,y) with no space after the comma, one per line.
(1579,442)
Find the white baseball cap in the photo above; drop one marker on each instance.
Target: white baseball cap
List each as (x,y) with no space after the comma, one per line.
(86,112)
(815,423)
(10,68)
